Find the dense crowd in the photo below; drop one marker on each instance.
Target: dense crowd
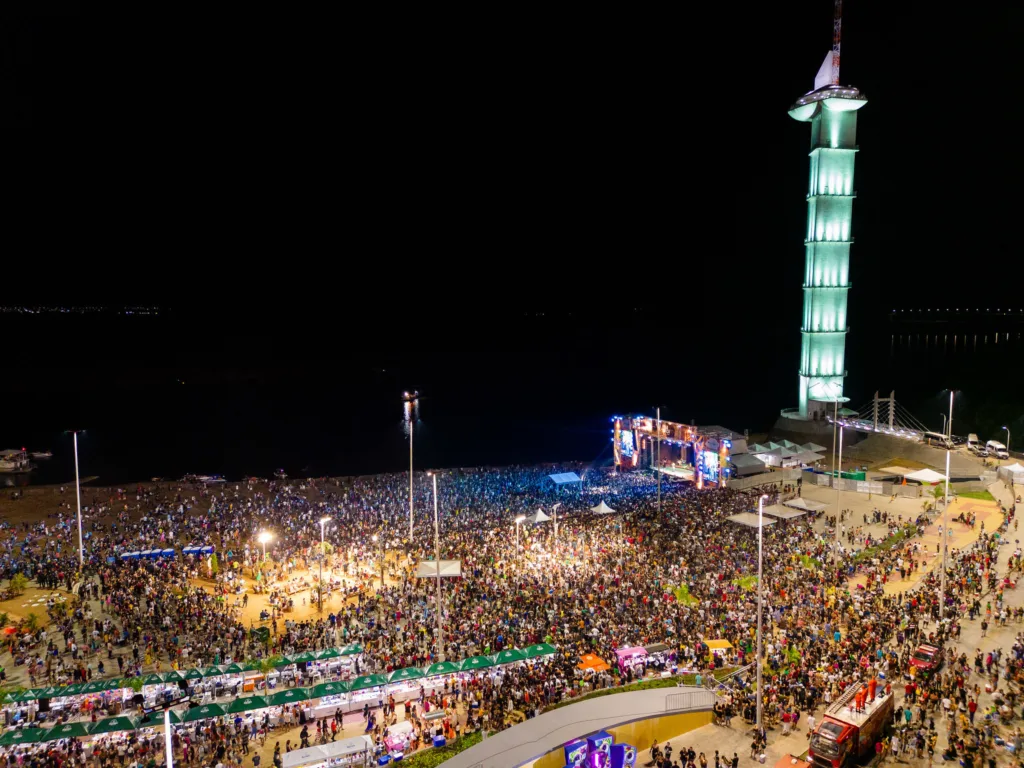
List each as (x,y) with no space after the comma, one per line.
(678,576)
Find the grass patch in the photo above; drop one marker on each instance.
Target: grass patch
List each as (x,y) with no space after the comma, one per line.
(886,544)
(979,495)
(434,756)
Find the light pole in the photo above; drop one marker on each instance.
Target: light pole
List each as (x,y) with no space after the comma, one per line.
(437,561)
(658,461)
(835,428)
(382,553)
(943,423)
(263,539)
(945,506)
(1007,439)
(519,520)
(412,424)
(838,480)
(760,593)
(554,509)
(320,591)
(78,498)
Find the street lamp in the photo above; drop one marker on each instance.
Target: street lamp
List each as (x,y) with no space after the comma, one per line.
(263,539)
(78,498)
(945,506)
(1007,439)
(760,593)
(519,521)
(437,561)
(554,509)
(412,424)
(320,592)
(382,553)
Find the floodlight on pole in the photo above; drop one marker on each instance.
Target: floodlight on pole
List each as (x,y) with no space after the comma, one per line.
(519,521)
(320,590)
(760,593)
(1007,439)
(264,537)
(78,499)
(437,561)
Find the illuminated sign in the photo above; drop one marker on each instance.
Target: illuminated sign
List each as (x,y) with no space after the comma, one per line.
(576,753)
(709,466)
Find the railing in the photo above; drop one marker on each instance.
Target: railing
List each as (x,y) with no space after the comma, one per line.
(694,698)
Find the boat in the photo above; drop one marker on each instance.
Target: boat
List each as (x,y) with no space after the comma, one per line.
(410,397)
(13,460)
(41,454)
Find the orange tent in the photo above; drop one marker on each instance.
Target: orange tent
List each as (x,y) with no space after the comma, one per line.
(593,663)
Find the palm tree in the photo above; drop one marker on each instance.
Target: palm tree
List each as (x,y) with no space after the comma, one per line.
(32,622)
(19,583)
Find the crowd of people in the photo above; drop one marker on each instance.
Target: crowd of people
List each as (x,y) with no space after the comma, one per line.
(678,575)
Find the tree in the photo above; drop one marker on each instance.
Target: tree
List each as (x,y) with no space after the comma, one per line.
(4,619)
(268,664)
(213,564)
(135,683)
(32,622)
(19,583)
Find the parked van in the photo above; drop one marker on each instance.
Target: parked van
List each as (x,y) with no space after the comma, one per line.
(972,442)
(938,439)
(997,449)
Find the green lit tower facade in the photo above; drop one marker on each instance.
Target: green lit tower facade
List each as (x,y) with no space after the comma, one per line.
(832,112)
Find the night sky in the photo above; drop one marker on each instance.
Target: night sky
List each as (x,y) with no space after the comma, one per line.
(395,169)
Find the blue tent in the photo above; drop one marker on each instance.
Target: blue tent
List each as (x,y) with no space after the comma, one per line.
(192,549)
(168,553)
(206,550)
(131,555)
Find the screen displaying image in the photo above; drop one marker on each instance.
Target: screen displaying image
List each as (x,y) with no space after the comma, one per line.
(626,446)
(710,466)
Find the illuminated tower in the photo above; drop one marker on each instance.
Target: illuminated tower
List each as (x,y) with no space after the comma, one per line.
(832,112)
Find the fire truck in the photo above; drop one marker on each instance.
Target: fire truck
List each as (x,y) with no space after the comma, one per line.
(846,734)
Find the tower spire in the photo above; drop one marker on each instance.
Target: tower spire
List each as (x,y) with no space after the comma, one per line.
(837,38)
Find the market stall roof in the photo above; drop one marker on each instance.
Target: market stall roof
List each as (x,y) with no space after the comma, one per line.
(509,655)
(427,569)
(193,674)
(476,662)
(926,476)
(157,718)
(537,517)
(329,653)
(747,462)
(561,478)
(213,671)
(813,447)
(656,648)
(801,503)
(289,696)
(234,669)
(204,712)
(623,653)
(538,650)
(409,673)
(758,448)
(602,509)
(150,679)
(718,645)
(115,725)
(23,736)
(348,650)
(329,689)
(247,703)
(324,753)
(749,519)
(367,681)
(68,730)
(441,668)
(1015,467)
(784,513)
(807,457)
(595,663)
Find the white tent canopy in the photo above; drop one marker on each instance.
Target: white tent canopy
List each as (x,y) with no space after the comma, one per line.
(537,517)
(749,519)
(802,503)
(808,457)
(813,447)
(926,476)
(1015,467)
(427,569)
(602,509)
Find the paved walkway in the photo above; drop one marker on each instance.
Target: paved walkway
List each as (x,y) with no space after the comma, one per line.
(738,738)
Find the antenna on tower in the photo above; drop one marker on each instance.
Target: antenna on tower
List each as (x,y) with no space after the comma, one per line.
(837,38)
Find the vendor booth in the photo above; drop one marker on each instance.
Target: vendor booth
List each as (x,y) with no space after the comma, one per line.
(630,657)
(718,651)
(355,751)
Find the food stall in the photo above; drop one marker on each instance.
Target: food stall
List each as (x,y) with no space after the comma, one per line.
(354,751)
(718,652)
(398,737)
(662,657)
(366,689)
(630,657)
(332,696)
(590,662)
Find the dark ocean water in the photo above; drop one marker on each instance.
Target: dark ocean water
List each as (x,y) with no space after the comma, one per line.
(226,410)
